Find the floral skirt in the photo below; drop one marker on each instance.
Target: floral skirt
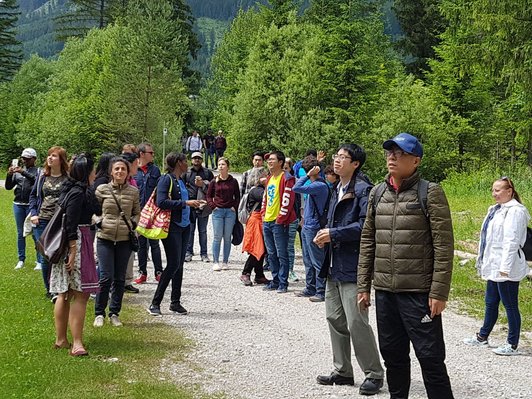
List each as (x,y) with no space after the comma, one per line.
(83,277)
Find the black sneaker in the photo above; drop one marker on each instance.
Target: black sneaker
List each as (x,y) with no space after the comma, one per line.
(178,309)
(370,386)
(130,288)
(155,310)
(334,379)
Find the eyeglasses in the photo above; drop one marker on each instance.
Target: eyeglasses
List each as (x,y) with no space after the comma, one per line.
(396,153)
(508,180)
(341,157)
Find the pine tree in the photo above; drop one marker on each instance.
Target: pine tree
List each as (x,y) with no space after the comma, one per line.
(10,52)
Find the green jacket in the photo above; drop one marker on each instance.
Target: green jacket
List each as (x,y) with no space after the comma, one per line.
(402,249)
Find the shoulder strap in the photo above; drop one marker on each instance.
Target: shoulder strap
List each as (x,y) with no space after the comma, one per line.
(121,211)
(379,192)
(422,195)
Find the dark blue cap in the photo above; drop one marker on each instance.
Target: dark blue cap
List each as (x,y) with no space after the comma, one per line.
(405,142)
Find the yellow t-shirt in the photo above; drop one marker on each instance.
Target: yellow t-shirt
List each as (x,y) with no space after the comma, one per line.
(273,198)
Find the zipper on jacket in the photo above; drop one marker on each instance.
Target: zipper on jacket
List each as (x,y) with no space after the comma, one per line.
(392,257)
(119,216)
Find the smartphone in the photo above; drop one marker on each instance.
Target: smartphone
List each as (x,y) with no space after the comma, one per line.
(14,163)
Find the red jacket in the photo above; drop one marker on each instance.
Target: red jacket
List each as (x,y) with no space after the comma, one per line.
(287,212)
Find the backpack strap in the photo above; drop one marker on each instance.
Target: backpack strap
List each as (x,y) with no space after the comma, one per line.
(379,192)
(422,195)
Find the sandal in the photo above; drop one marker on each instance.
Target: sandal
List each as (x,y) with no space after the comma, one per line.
(79,352)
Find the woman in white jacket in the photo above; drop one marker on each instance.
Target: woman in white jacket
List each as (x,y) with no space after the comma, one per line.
(502,263)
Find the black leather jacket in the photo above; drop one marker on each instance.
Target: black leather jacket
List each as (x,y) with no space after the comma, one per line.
(22,183)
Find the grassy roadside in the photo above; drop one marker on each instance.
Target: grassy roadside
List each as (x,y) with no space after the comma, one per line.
(123,362)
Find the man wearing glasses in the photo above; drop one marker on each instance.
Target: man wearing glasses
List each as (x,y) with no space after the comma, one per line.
(348,323)
(407,249)
(147,176)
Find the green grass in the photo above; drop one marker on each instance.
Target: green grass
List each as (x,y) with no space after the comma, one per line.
(469,197)
(123,362)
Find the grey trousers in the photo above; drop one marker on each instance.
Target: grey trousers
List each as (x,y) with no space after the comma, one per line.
(348,324)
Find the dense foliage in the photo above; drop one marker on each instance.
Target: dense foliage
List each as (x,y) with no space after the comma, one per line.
(10,53)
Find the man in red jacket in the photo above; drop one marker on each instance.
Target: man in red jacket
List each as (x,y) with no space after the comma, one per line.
(278,212)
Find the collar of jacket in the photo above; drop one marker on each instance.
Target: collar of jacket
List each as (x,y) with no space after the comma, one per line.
(407,183)
(350,192)
(119,186)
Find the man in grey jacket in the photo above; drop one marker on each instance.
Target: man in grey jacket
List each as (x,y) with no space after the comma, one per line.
(407,247)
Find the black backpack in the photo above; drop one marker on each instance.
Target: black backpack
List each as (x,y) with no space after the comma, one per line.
(422,195)
(527,248)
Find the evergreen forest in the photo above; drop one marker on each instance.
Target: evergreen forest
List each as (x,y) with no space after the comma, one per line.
(91,75)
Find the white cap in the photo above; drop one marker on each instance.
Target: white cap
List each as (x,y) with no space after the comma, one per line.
(29,153)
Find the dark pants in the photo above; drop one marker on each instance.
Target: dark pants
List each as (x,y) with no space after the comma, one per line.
(403,318)
(37,232)
(209,155)
(155,255)
(254,264)
(508,293)
(202,231)
(174,248)
(219,153)
(113,258)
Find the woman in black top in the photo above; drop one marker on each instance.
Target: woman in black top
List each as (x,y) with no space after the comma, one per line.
(74,278)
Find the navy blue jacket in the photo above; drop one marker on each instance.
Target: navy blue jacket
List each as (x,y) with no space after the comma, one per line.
(146,182)
(345,221)
(174,203)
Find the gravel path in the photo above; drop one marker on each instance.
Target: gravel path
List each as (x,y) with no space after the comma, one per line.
(256,344)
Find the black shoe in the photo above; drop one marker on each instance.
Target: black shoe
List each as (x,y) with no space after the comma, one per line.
(130,288)
(155,310)
(370,386)
(334,379)
(178,309)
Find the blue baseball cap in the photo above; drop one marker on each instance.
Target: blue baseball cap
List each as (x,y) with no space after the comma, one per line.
(405,142)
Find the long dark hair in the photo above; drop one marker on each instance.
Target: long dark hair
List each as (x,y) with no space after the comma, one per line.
(81,168)
(172,159)
(102,170)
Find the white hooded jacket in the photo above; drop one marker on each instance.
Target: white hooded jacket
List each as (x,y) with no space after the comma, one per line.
(505,236)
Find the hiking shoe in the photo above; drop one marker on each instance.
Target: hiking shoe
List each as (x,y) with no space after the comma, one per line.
(293,277)
(316,298)
(283,290)
(155,310)
(225,266)
(38,266)
(216,267)
(334,379)
(178,309)
(261,280)
(370,386)
(99,321)
(20,265)
(130,288)
(476,341)
(205,258)
(115,321)
(269,287)
(506,350)
(142,279)
(246,280)
(188,257)
(303,294)
(158,276)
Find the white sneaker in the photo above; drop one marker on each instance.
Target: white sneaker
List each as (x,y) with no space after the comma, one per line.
(474,341)
(225,266)
(20,265)
(216,267)
(115,321)
(38,266)
(98,321)
(506,350)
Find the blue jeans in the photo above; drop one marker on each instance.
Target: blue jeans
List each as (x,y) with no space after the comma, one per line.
(113,258)
(292,232)
(313,257)
(20,212)
(223,220)
(37,232)
(276,240)
(209,154)
(202,230)
(508,293)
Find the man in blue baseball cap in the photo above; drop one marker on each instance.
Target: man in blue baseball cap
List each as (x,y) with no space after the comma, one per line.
(406,252)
